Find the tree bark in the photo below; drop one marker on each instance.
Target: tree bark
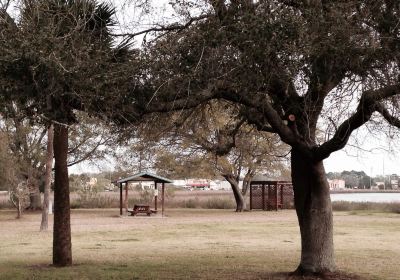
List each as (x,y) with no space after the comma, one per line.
(239,198)
(49,166)
(246,182)
(19,209)
(314,212)
(62,255)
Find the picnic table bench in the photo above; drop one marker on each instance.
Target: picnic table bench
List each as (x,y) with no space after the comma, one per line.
(141,208)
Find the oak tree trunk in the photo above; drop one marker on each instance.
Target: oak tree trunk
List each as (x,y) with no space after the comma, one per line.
(246,182)
(239,197)
(62,255)
(314,212)
(47,182)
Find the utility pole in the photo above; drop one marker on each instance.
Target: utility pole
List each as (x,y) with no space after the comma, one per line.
(384,178)
(370,180)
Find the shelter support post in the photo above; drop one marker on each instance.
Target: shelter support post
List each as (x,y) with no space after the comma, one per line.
(120,198)
(251,196)
(276,197)
(155,196)
(162,197)
(263,196)
(270,201)
(126,197)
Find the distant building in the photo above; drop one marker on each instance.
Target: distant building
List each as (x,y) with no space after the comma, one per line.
(89,185)
(394,181)
(144,185)
(222,185)
(198,184)
(92,182)
(379,185)
(179,183)
(336,184)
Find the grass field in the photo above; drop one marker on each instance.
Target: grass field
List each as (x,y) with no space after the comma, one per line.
(194,244)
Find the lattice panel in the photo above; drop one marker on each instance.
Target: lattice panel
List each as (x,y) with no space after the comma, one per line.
(272,197)
(257,197)
(288,197)
(276,196)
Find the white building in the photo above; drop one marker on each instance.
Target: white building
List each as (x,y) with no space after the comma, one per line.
(394,183)
(336,184)
(220,185)
(179,183)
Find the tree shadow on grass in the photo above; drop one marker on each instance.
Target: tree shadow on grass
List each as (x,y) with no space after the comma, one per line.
(338,275)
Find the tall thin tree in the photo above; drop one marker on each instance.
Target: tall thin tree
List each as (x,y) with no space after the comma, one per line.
(47,182)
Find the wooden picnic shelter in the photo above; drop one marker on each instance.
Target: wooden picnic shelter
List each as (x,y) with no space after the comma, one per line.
(142,177)
(270,194)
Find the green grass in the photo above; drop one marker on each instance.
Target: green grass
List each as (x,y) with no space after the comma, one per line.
(194,244)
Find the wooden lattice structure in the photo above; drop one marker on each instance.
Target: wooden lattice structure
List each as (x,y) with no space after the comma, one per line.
(270,195)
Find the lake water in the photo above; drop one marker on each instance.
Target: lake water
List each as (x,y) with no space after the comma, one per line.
(366,197)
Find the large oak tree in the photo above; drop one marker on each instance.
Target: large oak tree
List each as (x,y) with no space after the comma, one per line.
(292,65)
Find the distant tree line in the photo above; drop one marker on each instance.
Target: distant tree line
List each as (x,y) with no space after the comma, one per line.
(359,179)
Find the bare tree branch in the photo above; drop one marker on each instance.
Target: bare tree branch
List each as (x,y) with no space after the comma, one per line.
(369,103)
(387,115)
(162,28)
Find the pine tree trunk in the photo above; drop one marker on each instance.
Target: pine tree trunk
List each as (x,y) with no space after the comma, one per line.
(314,212)
(239,198)
(49,165)
(62,255)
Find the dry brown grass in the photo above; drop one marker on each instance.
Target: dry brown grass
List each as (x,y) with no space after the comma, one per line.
(194,244)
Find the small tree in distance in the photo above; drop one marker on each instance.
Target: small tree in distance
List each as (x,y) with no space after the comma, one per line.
(234,150)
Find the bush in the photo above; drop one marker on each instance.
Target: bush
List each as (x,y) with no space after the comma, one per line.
(206,200)
(5,204)
(394,208)
(210,203)
(95,202)
(142,197)
(191,203)
(91,199)
(219,203)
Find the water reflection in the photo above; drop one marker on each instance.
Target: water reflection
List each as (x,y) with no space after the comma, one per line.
(363,197)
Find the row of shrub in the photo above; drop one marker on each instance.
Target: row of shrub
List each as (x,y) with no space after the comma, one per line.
(107,202)
(209,203)
(96,200)
(366,206)
(5,204)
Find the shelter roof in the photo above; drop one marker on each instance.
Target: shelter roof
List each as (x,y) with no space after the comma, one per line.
(260,178)
(144,176)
